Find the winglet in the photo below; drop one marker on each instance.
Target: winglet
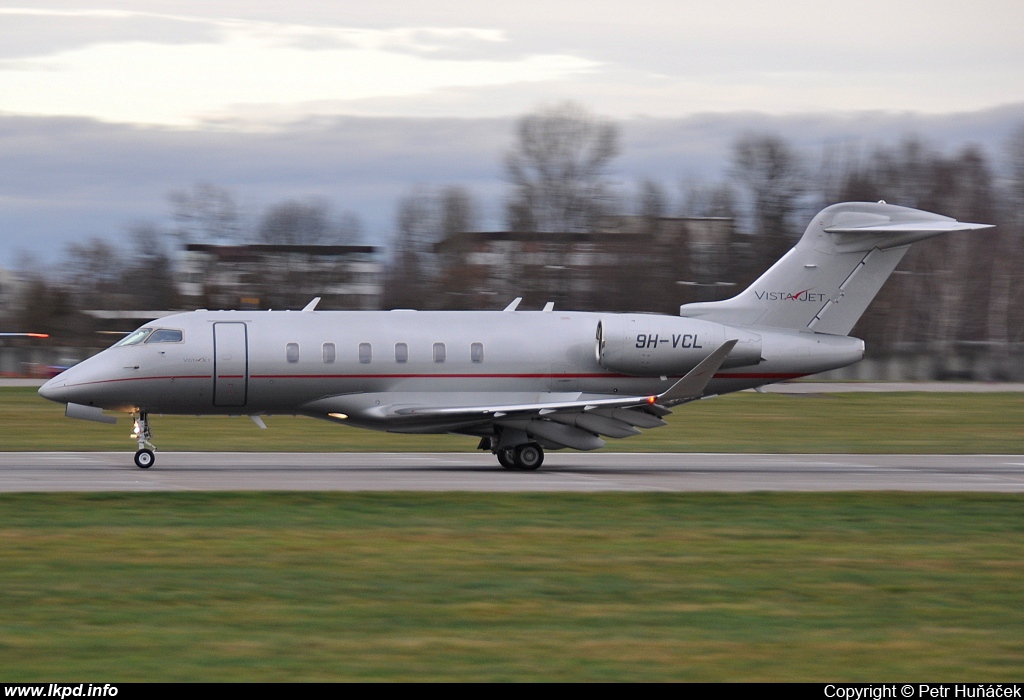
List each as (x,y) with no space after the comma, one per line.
(692,385)
(311,305)
(515,303)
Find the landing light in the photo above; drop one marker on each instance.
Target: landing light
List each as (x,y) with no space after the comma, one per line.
(340,416)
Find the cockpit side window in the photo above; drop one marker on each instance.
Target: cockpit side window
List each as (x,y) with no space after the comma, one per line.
(134,338)
(166,335)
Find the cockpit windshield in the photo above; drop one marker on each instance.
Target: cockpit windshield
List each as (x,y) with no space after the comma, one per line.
(134,338)
(165,335)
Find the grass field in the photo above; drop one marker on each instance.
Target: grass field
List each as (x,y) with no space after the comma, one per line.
(253,587)
(747,422)
(292,586)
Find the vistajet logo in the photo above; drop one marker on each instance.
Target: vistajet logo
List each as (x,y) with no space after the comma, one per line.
(805,295)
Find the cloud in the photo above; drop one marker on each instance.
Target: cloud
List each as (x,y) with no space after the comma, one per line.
(35,33)
(244,66)
(253,65)
(67,179)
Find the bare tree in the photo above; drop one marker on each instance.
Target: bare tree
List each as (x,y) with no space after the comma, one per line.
(308,223)
(456,285)
(1008,252)
(457,212)
(93,271)
(205,214)
(557,169)
(408,276)
(417,275)
(1015,153)
(349,229)
(45,306)
(149,273)
(773,176)
(296,223)
(702,199)
(652,202)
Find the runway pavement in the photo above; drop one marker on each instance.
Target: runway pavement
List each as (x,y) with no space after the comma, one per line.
(600,471)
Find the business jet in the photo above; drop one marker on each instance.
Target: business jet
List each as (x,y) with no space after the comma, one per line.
(521,382)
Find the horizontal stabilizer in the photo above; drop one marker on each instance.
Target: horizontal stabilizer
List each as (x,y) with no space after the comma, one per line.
(911,227)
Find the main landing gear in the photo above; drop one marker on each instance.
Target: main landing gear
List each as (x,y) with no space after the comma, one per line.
(144,458)
(526,457)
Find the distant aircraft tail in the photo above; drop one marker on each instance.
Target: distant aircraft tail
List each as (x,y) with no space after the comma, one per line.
(827,280)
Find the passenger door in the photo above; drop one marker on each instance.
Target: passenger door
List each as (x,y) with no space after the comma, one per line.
(230,364)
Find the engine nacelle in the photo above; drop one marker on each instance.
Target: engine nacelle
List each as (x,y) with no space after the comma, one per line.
(646,345)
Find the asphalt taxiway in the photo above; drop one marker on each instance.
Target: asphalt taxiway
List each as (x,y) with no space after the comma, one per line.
(598,471)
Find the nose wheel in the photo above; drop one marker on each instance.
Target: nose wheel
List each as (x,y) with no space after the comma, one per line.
(144,457)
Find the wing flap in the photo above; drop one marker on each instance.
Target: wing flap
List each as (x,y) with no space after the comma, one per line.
(601,425)
(558,433)
(638,418)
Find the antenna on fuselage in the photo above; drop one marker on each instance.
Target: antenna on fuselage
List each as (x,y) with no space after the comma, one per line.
(515,303)
(311,305)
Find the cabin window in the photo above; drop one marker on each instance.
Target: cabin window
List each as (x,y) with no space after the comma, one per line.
(134,338)
(291,351)
(365,353)
(401,352)
(476,352)
(439,352)
(165,335)
(330,353)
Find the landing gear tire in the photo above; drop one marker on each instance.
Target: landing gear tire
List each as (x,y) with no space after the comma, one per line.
(144,459)
(528,457)
(506,458)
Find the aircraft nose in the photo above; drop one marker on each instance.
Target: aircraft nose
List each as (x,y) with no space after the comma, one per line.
(54,390)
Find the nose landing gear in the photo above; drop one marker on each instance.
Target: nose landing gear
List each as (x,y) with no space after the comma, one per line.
(144,458)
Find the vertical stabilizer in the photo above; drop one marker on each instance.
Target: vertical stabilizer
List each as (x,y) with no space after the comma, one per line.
(827,280)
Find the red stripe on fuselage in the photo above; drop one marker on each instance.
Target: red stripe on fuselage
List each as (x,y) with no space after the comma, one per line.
(759,375)
(762,375)
(136,379)
(438,376)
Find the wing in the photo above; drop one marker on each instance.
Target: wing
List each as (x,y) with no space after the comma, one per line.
(572,422)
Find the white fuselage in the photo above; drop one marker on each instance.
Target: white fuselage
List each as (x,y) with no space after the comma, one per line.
(267,362)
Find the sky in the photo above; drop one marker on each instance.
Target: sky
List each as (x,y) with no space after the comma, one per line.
(105,107)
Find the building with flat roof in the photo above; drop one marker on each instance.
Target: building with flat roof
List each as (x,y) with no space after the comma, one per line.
(261,276)
(628,263)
